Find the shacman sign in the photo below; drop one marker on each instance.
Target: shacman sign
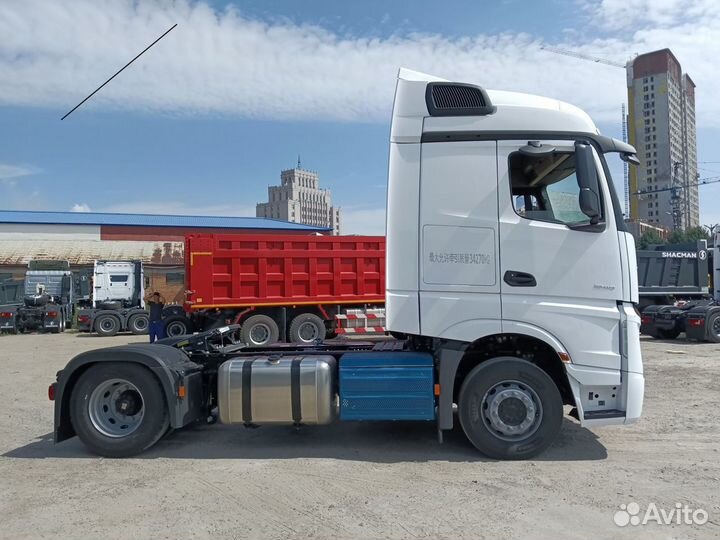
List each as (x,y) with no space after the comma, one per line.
(684,255)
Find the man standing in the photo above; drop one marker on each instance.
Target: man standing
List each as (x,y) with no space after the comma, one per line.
(155,302)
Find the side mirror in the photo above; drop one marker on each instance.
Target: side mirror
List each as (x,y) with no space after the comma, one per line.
(590,205)
(630,158)
(587,180)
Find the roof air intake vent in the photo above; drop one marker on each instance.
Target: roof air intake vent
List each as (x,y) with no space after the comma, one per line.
(457,99)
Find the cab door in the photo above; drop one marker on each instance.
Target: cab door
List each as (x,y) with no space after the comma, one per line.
(560,274)
(459,286)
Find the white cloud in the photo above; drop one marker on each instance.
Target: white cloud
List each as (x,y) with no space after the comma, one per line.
(80,207)
(624,14)
(219,62)
(9,173)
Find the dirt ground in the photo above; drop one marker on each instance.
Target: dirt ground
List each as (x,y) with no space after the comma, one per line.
(390,480)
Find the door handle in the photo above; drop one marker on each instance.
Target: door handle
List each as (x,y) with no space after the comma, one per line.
(519,279)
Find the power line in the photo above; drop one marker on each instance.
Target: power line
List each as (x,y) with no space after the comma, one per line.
(117,73)
(701,182)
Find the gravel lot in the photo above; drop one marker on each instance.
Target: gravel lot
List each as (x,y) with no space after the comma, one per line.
(358,480)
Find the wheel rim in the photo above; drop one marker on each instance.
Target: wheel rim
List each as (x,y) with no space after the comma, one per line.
(175,329)
(715,328)
(141,323)
(511,410)
(107,324)
(116,408)
(260,334)
(308,332)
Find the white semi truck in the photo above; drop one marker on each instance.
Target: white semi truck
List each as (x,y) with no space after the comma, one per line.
(117,300)
(511,292)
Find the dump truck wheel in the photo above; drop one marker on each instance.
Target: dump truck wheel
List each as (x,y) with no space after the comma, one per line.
(259,330)
(177,326)
(306,328)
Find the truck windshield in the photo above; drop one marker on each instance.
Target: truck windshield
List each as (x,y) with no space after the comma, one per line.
(48,265)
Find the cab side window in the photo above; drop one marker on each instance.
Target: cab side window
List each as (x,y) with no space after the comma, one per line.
(545,187)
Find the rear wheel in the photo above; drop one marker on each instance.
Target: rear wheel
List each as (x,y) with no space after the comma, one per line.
(510,408)
(177,326)
(306,328)
(713,328)
(138,324)
(107,325)
(118,410)
(259,330)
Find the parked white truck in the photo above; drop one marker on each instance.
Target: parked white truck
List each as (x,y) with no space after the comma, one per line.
(118,301)
(511,286)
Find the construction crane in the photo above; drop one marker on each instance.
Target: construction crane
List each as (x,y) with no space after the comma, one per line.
(623,123)
(582,56)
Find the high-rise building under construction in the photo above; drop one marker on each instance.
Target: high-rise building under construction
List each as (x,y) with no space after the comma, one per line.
(661,126)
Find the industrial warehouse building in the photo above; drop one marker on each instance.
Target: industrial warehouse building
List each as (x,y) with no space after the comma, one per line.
(83,237)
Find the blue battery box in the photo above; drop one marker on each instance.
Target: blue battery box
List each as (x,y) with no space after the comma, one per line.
(387,386)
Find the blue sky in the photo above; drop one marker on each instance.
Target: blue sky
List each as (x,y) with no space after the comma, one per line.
(207,119)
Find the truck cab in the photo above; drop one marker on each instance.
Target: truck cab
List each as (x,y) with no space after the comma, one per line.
(503,224)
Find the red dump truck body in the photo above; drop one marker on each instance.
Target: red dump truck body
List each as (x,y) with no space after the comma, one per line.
(252,270)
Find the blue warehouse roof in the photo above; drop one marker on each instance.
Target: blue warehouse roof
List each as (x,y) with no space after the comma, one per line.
(150,220)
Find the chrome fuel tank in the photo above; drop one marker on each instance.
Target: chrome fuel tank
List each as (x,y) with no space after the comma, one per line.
(285,390)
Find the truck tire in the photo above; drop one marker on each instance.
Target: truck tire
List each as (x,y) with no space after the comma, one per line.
(107,325)
(118,409)
(712,328)
(259,330)
(306,328)
(177,326)
(139,324)
(510,408)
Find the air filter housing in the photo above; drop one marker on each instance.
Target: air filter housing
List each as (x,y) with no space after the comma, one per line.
(457,99)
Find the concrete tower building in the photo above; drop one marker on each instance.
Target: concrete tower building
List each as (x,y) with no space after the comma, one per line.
(661,126)
(299,199)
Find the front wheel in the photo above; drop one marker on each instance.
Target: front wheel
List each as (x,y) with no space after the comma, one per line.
(118,410)
(510,408)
